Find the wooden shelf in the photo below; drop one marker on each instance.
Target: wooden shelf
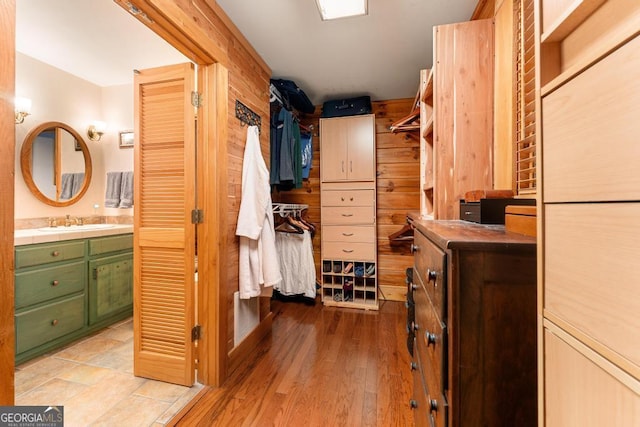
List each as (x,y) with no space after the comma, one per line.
(569,20)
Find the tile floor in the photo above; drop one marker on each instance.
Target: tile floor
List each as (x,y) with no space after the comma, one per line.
(93,379)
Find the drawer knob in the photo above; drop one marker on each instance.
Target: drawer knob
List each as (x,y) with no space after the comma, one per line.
(414,248)
(351,199)
(413,404)
(432,275)
(414,326)
(54,322)
(414,366)
(431,338)
(55,283)
(347,215)
(55,253)
(342,198)
(414,286)
(433,405)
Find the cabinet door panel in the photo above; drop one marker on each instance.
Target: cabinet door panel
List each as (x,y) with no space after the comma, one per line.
(333,152)
(579,393)
(591,150)
(111,286)
(361,151)
(588,284)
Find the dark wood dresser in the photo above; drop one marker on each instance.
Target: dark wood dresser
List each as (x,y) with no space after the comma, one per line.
(473,295)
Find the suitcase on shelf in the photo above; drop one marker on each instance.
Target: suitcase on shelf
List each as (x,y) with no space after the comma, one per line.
(347,107)
(293,96)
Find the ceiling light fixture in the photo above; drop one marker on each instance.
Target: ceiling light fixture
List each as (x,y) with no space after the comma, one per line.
(334,9)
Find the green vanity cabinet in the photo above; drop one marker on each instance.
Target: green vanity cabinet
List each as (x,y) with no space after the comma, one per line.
(65,290)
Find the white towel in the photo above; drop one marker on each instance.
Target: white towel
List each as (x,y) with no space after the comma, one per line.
(126,191)
(114,187)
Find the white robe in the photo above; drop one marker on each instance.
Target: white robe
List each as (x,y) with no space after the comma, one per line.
(258,258)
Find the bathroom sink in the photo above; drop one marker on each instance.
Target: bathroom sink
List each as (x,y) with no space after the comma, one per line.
(84,227)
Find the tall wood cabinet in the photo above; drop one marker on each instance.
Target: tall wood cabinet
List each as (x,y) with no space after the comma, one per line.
(589,329)
(348,211)
(456,117)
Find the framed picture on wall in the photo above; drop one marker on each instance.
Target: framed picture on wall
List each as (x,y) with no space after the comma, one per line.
(126,139)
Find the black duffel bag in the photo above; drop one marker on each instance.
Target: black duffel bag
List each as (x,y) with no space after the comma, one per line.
(347,107)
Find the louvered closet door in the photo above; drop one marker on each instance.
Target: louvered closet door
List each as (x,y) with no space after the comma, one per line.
(164,238)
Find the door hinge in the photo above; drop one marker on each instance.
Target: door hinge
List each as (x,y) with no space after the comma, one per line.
(95,274)
(197,216)
(196,332)
(196,99)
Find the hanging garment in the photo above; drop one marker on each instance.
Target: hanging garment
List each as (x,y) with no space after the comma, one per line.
(258,258)
(307,154)
(298,269)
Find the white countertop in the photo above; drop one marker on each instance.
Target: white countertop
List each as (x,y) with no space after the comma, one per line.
(37,235)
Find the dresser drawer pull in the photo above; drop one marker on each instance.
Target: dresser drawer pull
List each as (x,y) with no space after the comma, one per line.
(414,326)
(348,251)
(347,215)
(347,234)
(430,338)
(54,322)
(55,253)
(55,283)
(342,199)
(351,199)
(414,248)
(414,366)
(432,276)
(413,404)
(433,405)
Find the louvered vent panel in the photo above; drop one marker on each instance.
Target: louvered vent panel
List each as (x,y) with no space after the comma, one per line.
(162,157)
(525,122)
(163,316)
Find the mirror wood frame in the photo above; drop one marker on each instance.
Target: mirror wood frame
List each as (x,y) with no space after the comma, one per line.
(26,157)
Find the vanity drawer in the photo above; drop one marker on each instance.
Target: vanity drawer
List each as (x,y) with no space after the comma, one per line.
(430,264)
(44,284)
(103,245)
(44,324)
(350,251)
(341,233)
(348,198)
(348,215)
(48,252)
(431,341)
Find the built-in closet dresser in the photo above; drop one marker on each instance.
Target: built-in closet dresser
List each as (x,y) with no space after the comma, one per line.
(348,211)
(474,351)
(68,289)
(589,331)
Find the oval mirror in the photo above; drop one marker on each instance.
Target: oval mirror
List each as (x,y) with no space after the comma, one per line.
(55,163)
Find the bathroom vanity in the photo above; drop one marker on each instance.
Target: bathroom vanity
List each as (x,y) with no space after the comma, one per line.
(70,282)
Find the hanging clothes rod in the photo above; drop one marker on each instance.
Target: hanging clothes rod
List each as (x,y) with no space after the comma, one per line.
(285,209)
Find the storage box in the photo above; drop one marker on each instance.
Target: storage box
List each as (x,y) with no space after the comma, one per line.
(521,219)
(489,211)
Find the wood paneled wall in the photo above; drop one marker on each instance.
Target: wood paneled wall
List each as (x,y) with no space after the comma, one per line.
(398,172)
(7,148)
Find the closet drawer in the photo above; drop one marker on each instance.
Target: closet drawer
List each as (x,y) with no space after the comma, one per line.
(430,264)
(48,252)
(579,392)
(430,340)
(348,215)
(591,261)
(44,284)
(591,132)
(350,251)
(348,198)
(103,245)
(341,233)
(44,324)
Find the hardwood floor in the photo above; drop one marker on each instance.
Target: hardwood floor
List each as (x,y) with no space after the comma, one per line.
(321,366)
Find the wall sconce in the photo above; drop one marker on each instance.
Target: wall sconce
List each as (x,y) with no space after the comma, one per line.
(22,109)
(95,131)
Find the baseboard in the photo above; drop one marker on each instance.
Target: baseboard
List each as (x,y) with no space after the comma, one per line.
(243,350)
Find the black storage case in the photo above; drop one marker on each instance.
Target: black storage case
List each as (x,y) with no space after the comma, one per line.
(489,211)
(347,107)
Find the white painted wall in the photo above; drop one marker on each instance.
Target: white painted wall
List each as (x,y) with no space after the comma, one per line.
(60,96)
